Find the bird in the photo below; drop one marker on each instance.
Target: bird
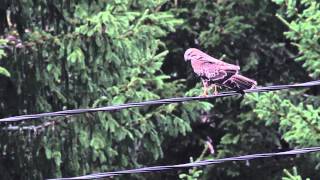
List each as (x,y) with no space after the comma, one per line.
(215,72)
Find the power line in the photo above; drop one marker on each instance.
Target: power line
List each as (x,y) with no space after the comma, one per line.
(155,102)
(193,164)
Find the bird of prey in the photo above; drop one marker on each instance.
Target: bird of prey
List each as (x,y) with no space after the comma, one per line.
(215,72)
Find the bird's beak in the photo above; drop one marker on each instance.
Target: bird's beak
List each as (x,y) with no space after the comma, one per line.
(186,55)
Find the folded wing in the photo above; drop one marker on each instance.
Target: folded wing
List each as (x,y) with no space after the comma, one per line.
(196,54)
(212,71)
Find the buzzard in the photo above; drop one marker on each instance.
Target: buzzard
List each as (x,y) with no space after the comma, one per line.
(215,72)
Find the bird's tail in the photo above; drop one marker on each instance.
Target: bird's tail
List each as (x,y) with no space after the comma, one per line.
(239,82)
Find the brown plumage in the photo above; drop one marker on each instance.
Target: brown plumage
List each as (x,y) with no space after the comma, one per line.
(216,72)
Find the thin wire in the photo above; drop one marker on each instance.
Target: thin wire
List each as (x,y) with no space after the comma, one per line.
(193,164)
(155,102)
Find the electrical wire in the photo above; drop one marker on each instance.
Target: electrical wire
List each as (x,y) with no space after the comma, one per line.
(193,164)
(155,102)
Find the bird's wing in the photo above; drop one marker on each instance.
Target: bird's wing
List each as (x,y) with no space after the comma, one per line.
(212,71)
(205,57)
(221,63)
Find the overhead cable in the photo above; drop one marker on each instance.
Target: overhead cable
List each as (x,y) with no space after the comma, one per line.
(155,102)
(193,164)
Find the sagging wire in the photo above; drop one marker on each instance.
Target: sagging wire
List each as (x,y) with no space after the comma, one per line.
(155,102)
(192,164)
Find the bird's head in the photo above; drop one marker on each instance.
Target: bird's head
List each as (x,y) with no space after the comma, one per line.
(192,53)
(189,54)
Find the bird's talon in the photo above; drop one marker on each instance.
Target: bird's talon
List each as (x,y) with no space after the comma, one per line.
(215,91)
(204,94)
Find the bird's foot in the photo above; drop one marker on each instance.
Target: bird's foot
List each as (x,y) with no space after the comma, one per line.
(215,89)
(215,92)
(205,93)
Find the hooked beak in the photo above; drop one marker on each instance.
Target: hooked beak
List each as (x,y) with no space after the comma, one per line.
(186,58)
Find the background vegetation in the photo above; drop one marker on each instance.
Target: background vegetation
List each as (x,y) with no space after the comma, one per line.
(57,55)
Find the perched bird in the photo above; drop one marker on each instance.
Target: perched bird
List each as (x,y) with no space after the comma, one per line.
(215,72)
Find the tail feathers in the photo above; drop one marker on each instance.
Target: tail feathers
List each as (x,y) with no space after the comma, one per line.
(239,82)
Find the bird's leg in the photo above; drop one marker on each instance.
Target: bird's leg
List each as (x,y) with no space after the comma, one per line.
(215,89)
(205,88)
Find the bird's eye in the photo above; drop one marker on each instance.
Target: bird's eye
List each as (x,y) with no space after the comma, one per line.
(199,58)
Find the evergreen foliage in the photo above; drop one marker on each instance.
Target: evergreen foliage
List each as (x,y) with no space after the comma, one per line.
(91,55)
